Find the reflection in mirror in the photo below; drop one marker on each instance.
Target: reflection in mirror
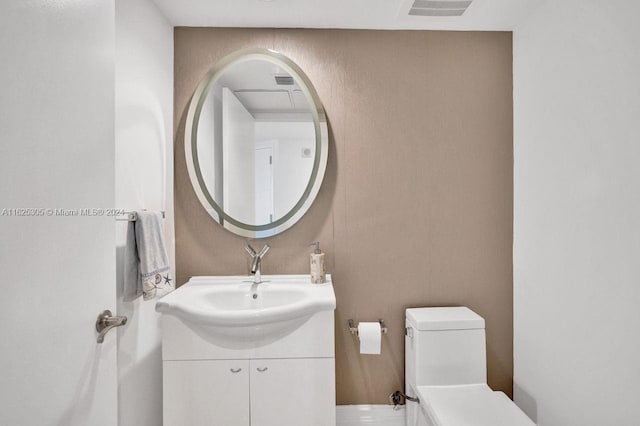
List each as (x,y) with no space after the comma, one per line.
(255,144)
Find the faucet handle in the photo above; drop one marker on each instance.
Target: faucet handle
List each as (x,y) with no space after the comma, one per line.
(250,250)
(264,250)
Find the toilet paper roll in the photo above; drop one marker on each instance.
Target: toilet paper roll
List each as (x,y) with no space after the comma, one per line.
(370,335)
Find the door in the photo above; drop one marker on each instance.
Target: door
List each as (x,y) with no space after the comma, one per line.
(58,268)
(293,392)
(238,151)
(264,183)
(206,393)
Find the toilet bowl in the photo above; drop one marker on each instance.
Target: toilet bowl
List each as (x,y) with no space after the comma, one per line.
(445,364)
(467,405)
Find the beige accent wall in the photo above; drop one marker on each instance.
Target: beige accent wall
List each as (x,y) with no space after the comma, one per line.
(416,206)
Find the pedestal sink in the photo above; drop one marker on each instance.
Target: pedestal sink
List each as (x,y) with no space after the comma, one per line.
(233,308)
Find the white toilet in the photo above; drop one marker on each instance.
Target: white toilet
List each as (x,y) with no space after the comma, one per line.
(446,369)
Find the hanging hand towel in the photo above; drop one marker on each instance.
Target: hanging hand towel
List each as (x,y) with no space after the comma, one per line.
(146,265)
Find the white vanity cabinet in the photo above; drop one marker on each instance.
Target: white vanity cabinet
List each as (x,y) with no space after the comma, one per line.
(271,363)
(292,392)
(206,393)
(265,392)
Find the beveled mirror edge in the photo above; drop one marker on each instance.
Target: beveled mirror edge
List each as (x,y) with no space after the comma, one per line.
(322,145)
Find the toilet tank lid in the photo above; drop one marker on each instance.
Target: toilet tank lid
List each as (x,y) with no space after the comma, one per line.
(457,318)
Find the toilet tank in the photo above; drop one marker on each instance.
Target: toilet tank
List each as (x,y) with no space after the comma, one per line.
(444,346)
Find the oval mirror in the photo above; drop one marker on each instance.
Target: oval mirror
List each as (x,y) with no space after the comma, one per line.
(256,143)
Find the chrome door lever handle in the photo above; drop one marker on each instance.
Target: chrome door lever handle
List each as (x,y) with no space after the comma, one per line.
(106,321)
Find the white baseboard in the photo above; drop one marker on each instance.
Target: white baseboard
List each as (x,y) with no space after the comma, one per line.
(369,415)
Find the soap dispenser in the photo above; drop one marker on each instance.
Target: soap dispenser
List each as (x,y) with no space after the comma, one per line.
(318,275)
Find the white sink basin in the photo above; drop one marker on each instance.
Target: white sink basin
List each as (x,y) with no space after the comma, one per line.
(235,309)
(242,299)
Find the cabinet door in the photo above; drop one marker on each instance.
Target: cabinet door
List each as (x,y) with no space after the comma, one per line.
(293,392)
(206,393)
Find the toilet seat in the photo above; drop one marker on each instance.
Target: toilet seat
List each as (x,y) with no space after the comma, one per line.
(469,405)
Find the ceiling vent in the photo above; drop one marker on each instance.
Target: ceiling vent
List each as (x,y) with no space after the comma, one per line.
(439,7)
(284,80)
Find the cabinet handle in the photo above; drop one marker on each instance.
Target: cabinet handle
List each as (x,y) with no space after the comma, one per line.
(263,369)
(236,370)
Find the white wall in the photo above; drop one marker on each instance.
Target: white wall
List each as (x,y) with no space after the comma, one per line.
(58,272)
(144,180)
(577,213)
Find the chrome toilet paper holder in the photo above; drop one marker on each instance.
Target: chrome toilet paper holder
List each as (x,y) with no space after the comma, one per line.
(353,329)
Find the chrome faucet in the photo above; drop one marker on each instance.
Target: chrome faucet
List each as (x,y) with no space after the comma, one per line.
(256,260)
